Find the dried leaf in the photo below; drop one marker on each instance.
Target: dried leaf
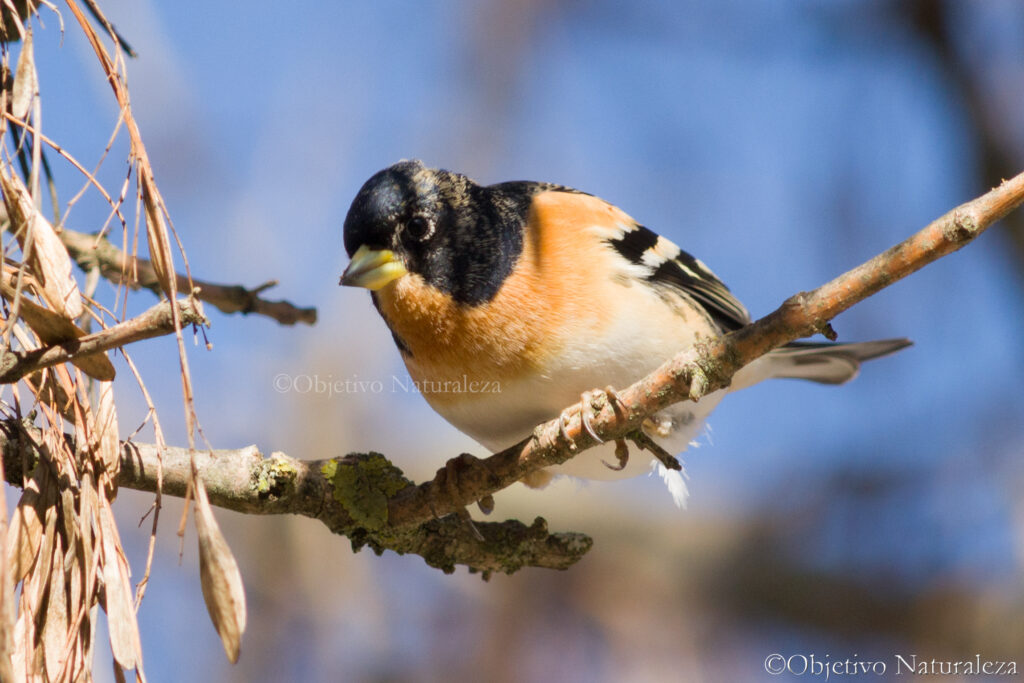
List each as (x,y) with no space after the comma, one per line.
(25,533)
(49,392)
(28,608)
(88,630)
(41,571)
(48,260)
(88,511)
(90,640)
(23,643)
(7,670)
(7,619)
(53,328)
(69,516)
(96,365)
(156,235)
(26,82)
(124,631)
(55,626)
(108,443)
(76,579)
(219,575)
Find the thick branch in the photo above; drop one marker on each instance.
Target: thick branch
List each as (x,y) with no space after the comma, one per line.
(90,251)
(343,494)
(155,322)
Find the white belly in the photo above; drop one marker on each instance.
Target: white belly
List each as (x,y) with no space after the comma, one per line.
(507,411)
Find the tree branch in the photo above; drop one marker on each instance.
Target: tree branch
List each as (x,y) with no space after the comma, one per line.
(91,251)
(348,495)
(367,499)
(155,322)
(938,23)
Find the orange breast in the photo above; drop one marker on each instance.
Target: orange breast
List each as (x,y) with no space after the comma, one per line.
(560,288)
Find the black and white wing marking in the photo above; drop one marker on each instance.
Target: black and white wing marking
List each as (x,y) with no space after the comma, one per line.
(662,262)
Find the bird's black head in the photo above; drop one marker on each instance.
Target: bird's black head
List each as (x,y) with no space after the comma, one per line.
(461,238)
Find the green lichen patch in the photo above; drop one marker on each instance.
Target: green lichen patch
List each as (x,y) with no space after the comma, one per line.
(275,477)
(363,483)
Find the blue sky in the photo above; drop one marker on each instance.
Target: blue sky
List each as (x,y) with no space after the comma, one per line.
(781,142)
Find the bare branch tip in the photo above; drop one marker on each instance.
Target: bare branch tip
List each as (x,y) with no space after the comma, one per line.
(264,287)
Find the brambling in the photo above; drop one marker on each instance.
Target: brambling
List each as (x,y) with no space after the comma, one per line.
(509,301)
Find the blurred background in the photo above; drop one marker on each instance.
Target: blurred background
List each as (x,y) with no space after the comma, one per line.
(782,142)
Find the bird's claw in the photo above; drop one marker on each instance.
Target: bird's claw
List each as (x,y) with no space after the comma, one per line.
(613,398)
(621,454)
(563,428)
(586,414)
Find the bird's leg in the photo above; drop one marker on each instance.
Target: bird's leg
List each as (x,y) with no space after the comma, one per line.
(648,444)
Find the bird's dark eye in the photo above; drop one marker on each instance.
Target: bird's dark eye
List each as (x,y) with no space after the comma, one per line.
(419,227)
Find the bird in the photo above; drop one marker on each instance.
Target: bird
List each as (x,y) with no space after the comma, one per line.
(508,302)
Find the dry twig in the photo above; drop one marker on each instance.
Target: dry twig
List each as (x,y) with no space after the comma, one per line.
(155,322)
(92,251)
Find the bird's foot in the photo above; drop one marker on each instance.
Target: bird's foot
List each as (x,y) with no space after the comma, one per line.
(450,480)
(587,411)
(613,399)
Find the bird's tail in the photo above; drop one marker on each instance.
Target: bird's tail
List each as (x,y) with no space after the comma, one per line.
(828,363)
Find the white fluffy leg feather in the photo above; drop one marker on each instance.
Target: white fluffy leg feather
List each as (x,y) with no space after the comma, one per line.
(675,480)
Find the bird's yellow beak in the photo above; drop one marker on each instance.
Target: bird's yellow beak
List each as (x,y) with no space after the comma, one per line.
(372,268)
